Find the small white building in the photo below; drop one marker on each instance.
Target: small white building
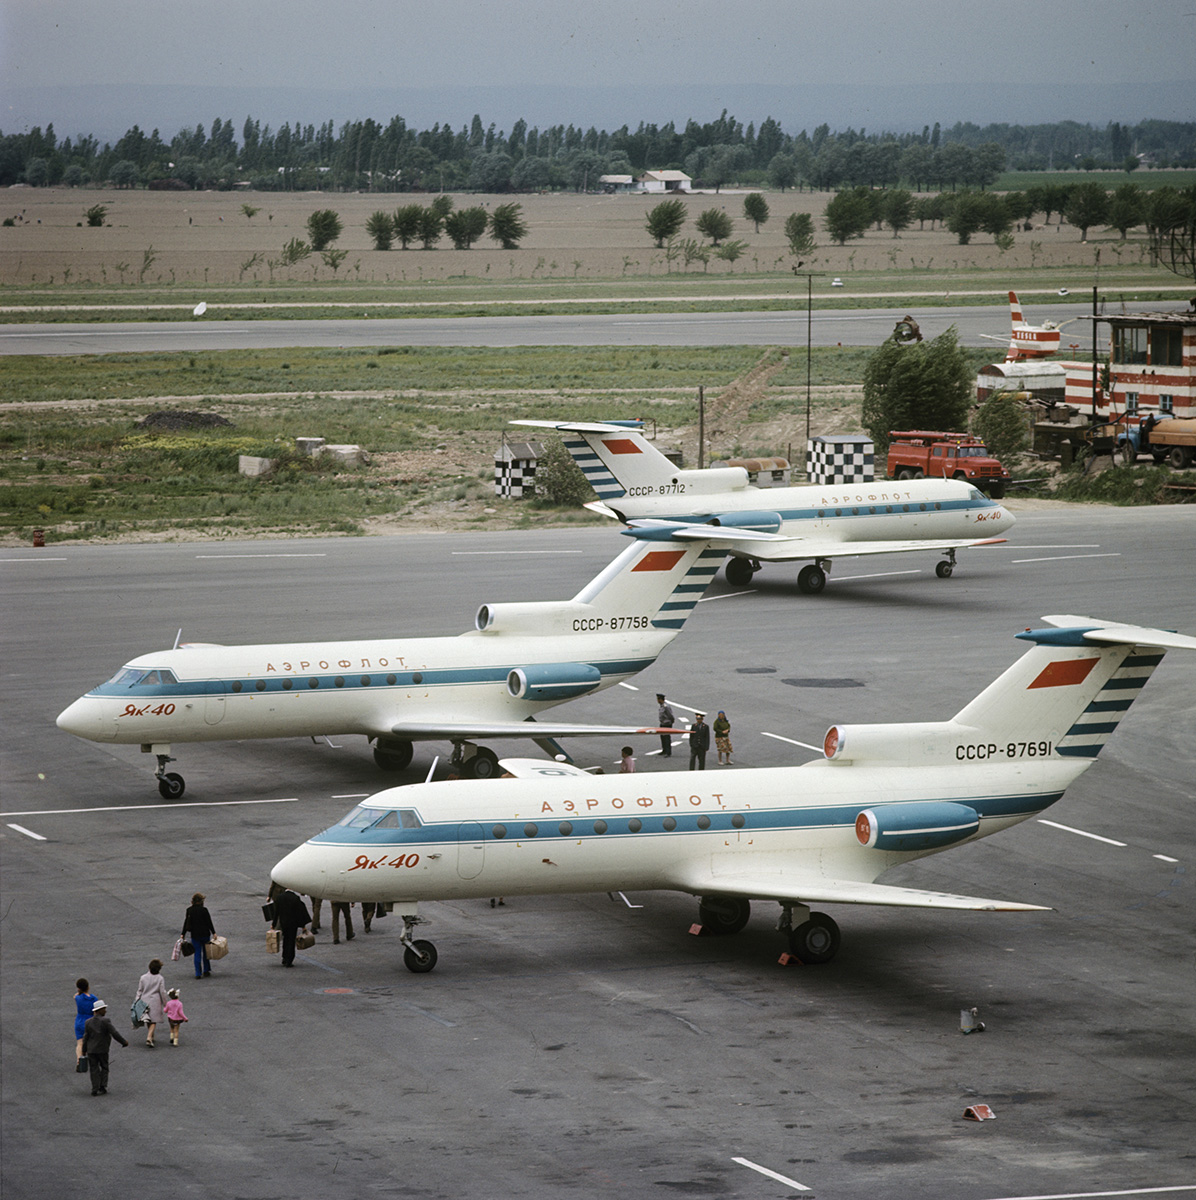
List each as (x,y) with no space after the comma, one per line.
(1046,381)
(616,183)
(664,181)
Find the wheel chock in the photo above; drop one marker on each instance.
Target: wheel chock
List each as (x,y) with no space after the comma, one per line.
(979,1112)
(790,960)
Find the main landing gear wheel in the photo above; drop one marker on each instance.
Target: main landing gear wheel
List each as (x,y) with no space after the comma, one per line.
(171,786)
(739,572)
(483,765)
(393,756)
(815,941)
(420,957)
(811,579)
(944,569)
(724,914)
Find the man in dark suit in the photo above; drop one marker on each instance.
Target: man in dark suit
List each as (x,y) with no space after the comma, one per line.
(290,915)
(699,742)
(97,1041)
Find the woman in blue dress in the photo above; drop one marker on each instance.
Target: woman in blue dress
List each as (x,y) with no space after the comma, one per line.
(84,1001)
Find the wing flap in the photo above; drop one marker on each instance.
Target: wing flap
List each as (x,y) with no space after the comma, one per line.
(807,888)
(435,731)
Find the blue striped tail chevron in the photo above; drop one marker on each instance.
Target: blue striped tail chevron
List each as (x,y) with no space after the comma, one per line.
(597,473)
(689,590)
(1095,725)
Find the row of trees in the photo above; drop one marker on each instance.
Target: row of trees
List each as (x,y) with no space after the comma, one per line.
(368,156)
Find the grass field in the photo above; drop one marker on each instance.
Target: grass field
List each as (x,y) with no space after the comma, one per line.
(75,464)
(178,248)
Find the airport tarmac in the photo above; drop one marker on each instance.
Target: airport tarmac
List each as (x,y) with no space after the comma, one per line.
(590,1046)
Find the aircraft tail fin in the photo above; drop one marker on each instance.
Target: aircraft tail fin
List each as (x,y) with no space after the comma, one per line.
(1015,310)
(1063,698)
(1073,688)
(653,582)
(653,585)
(617,461)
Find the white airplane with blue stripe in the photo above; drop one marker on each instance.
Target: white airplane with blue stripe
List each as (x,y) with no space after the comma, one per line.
(814,522)
(492,682)
(822,832)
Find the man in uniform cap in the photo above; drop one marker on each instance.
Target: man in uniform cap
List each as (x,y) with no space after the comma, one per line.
(665,719)
(97,1041)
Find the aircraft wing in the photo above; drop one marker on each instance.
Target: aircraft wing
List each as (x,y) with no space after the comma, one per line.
(436,731)
(777,547)
(810,887)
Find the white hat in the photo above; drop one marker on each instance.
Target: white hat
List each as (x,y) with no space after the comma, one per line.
(98,1005)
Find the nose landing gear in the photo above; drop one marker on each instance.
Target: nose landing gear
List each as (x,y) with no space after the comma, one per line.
(419,956)
(944,569)
(171,786)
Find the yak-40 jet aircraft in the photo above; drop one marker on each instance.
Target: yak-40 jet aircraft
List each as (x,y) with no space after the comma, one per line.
(822,832)
(817,522)
(491,682)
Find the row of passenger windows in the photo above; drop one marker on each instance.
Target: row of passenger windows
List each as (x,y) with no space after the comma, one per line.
(634,825)
(873,509)
(314,682)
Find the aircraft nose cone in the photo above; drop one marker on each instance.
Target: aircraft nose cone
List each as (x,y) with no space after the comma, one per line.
(82,718)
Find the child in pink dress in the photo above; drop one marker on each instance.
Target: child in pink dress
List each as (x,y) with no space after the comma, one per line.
(174,1014)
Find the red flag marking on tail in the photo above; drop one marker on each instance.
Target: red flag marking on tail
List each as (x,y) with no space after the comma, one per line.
(621,446)
(1064,674)
(659,560)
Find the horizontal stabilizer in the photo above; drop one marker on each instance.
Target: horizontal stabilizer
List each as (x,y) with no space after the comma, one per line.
(1117,633)
(814,889)
(435,731)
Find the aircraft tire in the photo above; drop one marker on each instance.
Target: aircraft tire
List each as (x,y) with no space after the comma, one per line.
(815,941)
(738,572)
(943,570)
(171,786)
(483,765)
(420,960)
(724,914)
(811,579)
(393,756)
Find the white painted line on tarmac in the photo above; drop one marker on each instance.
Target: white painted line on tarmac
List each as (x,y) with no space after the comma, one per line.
(58,812)
(875,575)
(353,796)
(1096,837)
(728,595)
(791,741)
(507,553)
(747,1162)
(1165,858)
(1150,1191)
(629,686)
(314,555)
(1061,546)
(1062,558)
(37,837)
(32,558)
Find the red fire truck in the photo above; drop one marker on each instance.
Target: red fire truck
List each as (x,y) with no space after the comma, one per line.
(915,453)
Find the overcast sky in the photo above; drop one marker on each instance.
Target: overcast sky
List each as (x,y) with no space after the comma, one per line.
(1074,49)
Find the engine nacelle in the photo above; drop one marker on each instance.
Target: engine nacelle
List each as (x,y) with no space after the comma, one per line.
(708,482)
(765,522)
(533,616)
(553,681)
(922,743)
(924,826)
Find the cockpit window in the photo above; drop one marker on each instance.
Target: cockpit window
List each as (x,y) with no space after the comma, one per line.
(390,821)
(126,677)
(140,677)
(975,494)
(359,818)
(409,818)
